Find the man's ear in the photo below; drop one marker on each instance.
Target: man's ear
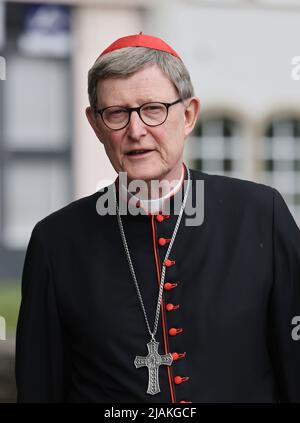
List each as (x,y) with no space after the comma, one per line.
(93,121)
(191,113)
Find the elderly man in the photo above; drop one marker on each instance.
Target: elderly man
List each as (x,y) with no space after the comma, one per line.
(141,306)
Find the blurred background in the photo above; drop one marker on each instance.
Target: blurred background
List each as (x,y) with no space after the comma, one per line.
(239,53)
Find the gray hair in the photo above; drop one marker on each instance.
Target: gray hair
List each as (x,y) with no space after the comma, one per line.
(126,61)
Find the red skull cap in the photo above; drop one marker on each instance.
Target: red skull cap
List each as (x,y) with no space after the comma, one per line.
(139,40)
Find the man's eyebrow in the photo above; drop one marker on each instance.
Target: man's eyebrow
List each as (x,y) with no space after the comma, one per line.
(139,102)
(149,100)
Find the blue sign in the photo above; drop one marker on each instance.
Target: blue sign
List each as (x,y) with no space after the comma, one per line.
(46,31)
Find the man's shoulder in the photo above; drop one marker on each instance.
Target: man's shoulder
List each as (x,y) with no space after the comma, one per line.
(237,197)
(75,213)
(233,187)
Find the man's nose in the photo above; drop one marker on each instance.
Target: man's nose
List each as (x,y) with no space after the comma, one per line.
(136,127)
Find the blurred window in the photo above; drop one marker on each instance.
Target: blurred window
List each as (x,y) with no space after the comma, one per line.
(33,188)
(37,103)
(35,123)
(281,160)
(218,147)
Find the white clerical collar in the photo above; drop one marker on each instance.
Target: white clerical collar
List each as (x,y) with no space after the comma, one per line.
(155,205)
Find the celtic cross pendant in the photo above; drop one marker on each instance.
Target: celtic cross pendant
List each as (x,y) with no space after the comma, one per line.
(153,360)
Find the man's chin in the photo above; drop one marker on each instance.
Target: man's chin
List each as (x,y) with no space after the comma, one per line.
(143,174)
(144,170)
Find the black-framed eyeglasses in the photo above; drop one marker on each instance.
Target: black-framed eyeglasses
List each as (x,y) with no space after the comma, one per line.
(152,114)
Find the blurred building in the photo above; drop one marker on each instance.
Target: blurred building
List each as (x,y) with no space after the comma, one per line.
(239,53)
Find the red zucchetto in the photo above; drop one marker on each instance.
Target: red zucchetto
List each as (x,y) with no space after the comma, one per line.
(140,40)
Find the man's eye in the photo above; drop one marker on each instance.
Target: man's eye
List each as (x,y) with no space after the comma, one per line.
(153,109)
(117,113)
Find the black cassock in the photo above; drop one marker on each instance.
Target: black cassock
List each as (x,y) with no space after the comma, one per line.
(236,280)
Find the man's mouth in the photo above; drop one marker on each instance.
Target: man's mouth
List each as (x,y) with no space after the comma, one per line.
(138,152)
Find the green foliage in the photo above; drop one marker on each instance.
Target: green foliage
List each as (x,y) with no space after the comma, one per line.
(10,297)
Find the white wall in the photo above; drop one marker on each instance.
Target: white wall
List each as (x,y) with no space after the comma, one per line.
(237,56)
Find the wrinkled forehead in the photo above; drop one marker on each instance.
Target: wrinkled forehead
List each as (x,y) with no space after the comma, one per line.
(147,84)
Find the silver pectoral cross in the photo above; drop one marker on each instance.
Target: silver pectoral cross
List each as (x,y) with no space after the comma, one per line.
(153,361)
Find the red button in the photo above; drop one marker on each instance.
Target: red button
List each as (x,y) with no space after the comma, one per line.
(177,356)
(160,217)
(171,307)
(169,263)
(179,379)
(175,331)
(168,286)
(163,241)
